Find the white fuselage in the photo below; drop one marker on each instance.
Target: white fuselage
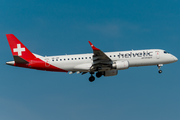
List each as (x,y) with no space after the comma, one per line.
(82,62)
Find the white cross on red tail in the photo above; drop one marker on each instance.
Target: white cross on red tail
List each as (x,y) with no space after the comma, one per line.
(19,49)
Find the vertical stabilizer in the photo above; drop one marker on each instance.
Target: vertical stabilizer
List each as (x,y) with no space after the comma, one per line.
(19,51)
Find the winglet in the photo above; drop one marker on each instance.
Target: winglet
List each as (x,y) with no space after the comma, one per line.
(93,47)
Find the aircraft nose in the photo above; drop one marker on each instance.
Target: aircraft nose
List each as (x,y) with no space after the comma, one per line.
(175,59)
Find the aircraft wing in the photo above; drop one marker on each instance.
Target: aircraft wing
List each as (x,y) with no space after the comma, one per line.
(100,59)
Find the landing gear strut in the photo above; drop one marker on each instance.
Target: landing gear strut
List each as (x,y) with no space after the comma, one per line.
(159,67)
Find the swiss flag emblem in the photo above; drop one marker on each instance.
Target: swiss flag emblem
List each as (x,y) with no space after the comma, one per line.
(19,49)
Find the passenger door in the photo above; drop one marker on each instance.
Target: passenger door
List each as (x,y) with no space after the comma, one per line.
(157,55)
(47,62)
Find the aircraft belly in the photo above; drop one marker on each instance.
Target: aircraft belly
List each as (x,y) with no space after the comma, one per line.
(135,62)
(147,62)
(72,66)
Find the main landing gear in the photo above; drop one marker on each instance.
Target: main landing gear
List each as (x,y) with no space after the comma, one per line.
(159,67)
(92,78)
(98,74)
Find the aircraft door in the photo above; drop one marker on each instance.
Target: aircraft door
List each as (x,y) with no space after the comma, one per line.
(157,55)
(47,62)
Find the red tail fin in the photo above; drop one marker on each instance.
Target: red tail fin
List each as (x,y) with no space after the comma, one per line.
(18,49)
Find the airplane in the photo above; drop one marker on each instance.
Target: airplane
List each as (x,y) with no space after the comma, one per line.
(99,62)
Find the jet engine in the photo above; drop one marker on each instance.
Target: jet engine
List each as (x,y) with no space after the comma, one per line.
(120,65)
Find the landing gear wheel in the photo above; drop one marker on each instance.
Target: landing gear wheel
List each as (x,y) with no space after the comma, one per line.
(91,79)
(160,71)
(98,74)
(159,67)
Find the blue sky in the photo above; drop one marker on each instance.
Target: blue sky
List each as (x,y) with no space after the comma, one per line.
(59,27)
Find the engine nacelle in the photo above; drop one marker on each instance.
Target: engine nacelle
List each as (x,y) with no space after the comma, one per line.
(120,65)
(111,73)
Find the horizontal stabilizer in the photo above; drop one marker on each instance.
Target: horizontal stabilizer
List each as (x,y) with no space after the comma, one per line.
(18,59)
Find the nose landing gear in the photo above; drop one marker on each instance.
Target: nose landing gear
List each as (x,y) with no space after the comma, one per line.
(159,67)
(160,71)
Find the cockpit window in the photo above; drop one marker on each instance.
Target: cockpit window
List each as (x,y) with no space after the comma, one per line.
(165,52)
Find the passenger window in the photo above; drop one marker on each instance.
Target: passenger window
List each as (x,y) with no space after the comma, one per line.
(64,59)
(75,58)
(72,58)
(68,58)
(79,58)
(89,57)
(110,55)
(114,55)
(82,57)
(86,57)
(60,59)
